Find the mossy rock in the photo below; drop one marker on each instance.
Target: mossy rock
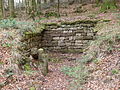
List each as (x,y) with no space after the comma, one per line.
(37,30)
(79,22)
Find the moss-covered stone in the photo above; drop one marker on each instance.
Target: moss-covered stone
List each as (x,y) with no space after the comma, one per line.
(61,36)
(80,21)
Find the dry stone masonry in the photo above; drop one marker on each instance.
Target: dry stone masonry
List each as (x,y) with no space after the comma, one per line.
(68,37)
(64,37)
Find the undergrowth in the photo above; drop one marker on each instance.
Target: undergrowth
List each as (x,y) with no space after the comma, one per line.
(108,36)
(79,73)
(108,5)
(12,23)
(50,14)
(23,26)
(7,23)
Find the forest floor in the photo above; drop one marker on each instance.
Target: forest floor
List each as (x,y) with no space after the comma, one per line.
(105,74)
(55,80)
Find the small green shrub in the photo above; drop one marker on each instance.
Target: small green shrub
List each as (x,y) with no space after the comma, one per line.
(79,73)
(115,71)
(12,23)
(107,37)
(118,16)
(32,88)
(30,72)
(50,14)
(108,5)
(7,45)
(27,67)
(39,13)
(7,23)
(1,63)
(96,61)
(55,60)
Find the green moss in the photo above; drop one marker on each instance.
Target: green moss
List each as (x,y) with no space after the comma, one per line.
(115,71)
(7,44)
(36,31)
(32,88)
(50,14)
(55,60)
(72,23)
(27,67)
(28,33)
(1,63)
(96,61)
(79,21)
(106,20)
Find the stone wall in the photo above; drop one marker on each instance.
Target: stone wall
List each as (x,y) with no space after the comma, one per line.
(68,37)
(64,37)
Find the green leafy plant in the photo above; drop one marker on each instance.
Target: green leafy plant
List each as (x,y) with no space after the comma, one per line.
(108,5)
(1,63)
(115,71)
(118,16)
(96,61)
(32,88)
(7,45)
(108,36)
(27,67)
(50,14)
(55,60)
(7,23)
(79,73)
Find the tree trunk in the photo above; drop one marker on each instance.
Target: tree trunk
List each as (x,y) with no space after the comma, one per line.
(1,8)
(27,6)
(45,1)
(11,7)
(34,5)
(39,5)
(58,7)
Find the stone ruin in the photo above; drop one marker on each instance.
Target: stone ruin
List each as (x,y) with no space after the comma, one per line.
(64,37)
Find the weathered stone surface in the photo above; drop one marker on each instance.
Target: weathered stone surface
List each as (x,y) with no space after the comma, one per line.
(65,37)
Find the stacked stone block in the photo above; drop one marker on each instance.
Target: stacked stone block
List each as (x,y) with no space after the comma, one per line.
(65,37)
(68,37)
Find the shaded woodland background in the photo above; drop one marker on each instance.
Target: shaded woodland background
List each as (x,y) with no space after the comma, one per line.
(15,8)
